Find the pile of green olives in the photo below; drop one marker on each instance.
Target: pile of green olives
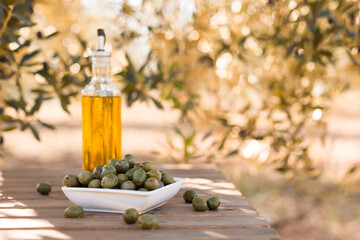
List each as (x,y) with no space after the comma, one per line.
(199,203)
(122,174)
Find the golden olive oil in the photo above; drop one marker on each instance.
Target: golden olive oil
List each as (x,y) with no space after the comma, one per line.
(101,129)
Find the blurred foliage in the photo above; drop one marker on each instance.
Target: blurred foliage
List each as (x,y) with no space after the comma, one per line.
(258,74)
(250,79)
(22,57)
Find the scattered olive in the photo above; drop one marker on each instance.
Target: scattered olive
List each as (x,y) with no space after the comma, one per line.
(131,216)
(43,188)
(147,221)
(213,202)
(74,212)
(199,204)
(189,195)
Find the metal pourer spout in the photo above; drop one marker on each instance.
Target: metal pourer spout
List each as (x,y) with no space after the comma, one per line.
(100,39)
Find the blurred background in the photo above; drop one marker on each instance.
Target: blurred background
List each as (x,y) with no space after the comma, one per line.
(266,90)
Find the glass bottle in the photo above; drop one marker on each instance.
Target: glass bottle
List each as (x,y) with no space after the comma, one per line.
(101,111)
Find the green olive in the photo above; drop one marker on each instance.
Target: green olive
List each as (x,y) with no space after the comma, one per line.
(213,202)
(189,195)
(95,183)
(110,181)
(139,177)
(128,185)
(167,178)
(112,162)
(43,188)
(107,169)
(122,178)
(155,174)
(147,166)
(130,159)
(137,166)
(74,212)
(161,184)
(97,171)
(130,173)
(131,216)
(147,221)
(143,189)
(85,177)
(71,180)
(151,184)
(122,166)
(199,204)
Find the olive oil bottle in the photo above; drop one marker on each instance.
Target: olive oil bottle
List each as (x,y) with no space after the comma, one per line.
(101,111)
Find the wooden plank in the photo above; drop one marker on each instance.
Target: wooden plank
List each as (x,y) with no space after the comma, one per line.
(114,221)
(166,210)
(159,234)
(22,210)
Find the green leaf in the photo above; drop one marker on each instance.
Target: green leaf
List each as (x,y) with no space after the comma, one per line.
(28,56)
(234,152)
(46,124)
(284,168)
(12,37)
(179,85)
(190,138)
(12,103)
(37,105)
(177,130)
(186,109)
(208,134)
(64,100)
(8,129)
(223,141)
(22,18)
(157,103)
(353,59)
(24,6)
(34,132)
(3,6)
(24,126)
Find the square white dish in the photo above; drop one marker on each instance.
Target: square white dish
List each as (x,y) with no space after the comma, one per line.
(118,200)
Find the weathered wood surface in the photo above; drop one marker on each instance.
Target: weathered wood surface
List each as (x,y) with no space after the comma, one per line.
(25,214)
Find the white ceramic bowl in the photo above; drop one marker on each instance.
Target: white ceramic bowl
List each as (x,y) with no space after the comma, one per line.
(118,200)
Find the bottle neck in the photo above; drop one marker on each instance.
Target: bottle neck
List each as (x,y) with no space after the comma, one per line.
(101,68)
(101,72)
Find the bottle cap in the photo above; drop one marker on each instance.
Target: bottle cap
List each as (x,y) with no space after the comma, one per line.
(100,39)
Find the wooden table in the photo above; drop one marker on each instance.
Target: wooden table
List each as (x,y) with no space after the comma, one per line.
(25,214)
